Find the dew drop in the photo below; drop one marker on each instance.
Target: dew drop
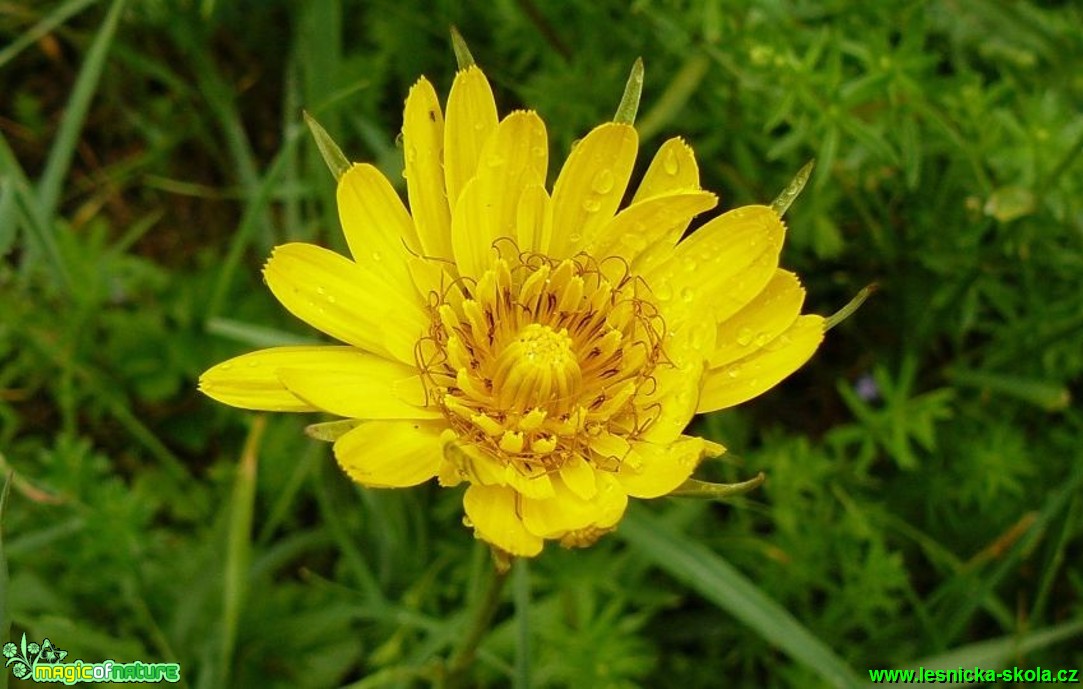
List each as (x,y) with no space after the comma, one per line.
(321,291)
(744,337)
(689,265)
(376,256)
(733,372)
(687,295)
(762,339)
(669,163)
(252,364)
(574,238)
(411,155)
(479,125)
(603,181)
(663,291)
(633,241)
(330,298)
(538,151)
(591,205)
(225,367)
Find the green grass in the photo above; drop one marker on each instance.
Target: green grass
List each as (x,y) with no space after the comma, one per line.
(922,503)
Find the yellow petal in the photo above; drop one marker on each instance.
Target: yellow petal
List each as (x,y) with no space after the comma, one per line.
(676,399)
(423,144)
(473,464)
(723,264)
(566,511)
(761,321)
(391,454)
(359,385)
(672,170)
(537,487)
(378,229)
(251,381)
(642,224)
(655,470)
(515,156)
(332,294)
(591,185)
(534,220)
(494,513)
(578,475)
(755,374)
(471,117)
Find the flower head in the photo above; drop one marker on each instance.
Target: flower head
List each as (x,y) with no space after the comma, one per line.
(547,348)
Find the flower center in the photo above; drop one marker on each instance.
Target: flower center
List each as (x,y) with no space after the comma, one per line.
(540,361)
(536,369)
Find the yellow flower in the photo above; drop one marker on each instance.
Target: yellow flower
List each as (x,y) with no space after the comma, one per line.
(546,348)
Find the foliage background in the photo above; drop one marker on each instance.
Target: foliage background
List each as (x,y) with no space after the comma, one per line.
(923,495)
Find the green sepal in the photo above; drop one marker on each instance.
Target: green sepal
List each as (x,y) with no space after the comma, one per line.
(332,154)
(633,90)
(852,306)
(462,51)
(693,488)
(330,431)
(781,204)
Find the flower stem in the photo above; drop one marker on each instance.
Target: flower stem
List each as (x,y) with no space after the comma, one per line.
(464,655)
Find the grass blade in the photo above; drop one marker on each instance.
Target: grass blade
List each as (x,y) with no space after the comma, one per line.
(722,584)
(239,547)
(5,618)
(521,596)
(996,653)
(67,137)
(57,17)
(38,228)
(254,213)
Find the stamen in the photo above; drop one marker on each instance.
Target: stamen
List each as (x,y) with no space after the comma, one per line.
(538,359)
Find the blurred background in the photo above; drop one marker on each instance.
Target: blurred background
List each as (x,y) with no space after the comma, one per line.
(923,494)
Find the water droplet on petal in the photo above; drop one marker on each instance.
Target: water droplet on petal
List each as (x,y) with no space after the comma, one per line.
(321,290)
(538,151)
(225,367)
(744,337)
(669,163)
(603,181)
(687,295)
(663,291)
(634,241)
(591,205)
(376,256)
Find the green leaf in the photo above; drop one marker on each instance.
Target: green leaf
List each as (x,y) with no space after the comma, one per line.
(721,583)
(1048,395)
